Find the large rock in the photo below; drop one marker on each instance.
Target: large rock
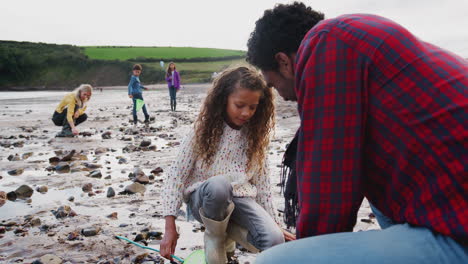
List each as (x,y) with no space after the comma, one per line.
(135,188)
(24,191)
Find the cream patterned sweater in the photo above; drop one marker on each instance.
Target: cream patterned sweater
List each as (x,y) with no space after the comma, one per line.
(186,173)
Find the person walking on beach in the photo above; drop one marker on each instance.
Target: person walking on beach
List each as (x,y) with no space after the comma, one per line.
(221,170)
(173,83)
(384,115)
(135,93)
(71,110)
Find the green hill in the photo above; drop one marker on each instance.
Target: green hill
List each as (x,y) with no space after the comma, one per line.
(160,53)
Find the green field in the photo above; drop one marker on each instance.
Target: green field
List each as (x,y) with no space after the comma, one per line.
(128,53)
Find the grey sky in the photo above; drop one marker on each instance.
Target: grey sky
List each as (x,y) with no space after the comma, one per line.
(208,23)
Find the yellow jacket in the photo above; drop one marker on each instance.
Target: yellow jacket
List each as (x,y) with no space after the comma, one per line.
(69,101)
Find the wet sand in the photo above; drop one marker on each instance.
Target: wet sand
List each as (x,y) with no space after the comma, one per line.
(28,227)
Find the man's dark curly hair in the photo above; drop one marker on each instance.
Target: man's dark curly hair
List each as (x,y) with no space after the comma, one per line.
(281,29)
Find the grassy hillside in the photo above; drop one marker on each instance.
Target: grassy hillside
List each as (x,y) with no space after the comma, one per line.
(163,53)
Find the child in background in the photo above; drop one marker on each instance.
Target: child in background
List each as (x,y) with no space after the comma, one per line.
(70,112)
(135,92)
(221,170)
(173,83)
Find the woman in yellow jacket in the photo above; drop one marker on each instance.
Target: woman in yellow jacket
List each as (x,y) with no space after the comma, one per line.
(70,112)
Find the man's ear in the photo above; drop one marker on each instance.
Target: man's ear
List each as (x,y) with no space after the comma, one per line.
(285,64)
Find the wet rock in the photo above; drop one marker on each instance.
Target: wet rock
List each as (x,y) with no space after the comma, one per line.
(50,168)
(152,147)
(73,236)
(15,157)
(2,230)
(87,232)
(71,198)
(88,187)
(100,151)
(145,143)
(35,222)
(114,216)
(24,191)
(11,196)
(141,237)
(157,170)
(27,155)
(95,174)
(42,189)
(90,194)
(3,198)
(69,156)
(155,235)
(63,211)
(106,135)
(123,225)
(108,177)
(86,134)
(16,172)
(92,165)
(50,259)
(143,179)
(110,192)
(135,188)
(123,161)
(62,167)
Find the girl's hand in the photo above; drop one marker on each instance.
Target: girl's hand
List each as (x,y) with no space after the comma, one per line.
(130,96)
(288,236)
(75,131)
(168,244)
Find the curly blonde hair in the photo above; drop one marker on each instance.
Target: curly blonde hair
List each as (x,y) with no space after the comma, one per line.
(210,122)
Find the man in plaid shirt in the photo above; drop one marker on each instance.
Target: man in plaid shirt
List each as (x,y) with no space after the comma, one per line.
(384,116)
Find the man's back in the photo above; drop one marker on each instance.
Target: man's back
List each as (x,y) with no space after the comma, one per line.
(384,115)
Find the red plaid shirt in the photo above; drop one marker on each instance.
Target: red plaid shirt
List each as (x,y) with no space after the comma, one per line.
(383,116)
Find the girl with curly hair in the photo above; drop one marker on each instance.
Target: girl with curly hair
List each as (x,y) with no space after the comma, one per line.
(221,170)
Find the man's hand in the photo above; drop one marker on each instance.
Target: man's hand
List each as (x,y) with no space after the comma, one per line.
(130,96)
(288,236)
(76,115)
(75,131)
(168,244)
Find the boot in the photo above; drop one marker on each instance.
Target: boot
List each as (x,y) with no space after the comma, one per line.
(172,105)
(175,104)
(66,131)
(215,237)
(239,234)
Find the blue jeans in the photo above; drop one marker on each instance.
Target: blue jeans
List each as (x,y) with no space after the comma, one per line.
(172,94)
(214,196)
(134,112)
(395,243)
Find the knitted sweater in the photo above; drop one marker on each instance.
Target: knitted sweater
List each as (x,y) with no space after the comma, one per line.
(187,173)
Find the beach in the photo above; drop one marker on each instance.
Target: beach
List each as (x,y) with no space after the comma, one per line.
(71,215)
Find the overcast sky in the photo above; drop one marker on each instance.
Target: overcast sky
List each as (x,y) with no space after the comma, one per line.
(208,23)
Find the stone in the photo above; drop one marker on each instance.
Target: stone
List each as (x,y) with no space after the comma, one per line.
(50,259)
(106,135)
(27,155)
(114,216)
(42,189)
(24,191)
(92,165)
(15,157)
(88,187)
(89,231)
(145,143)
(62,167)
(35,222)
(71,198)
(63,211)
(135,188)
(110,192)
(100,151)
(157,170)
(73,236)
(143,179)
(122,161)
(11,196)
(69,156)
(95,174)
(16,172)
(54,160)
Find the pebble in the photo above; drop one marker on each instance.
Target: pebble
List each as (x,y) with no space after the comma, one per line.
(89,231)
(135,188)
(15,157)
(106,135)
(88,187)
(145,143)
(73,236)
(24,191)
(95,174)
(16,172)
(12,196)
(157,170)
(71,198)
(110,192)
(69,156)
(100,151)
(63,211)
(54,160)
(114,215)
(42,189)
(62,167)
